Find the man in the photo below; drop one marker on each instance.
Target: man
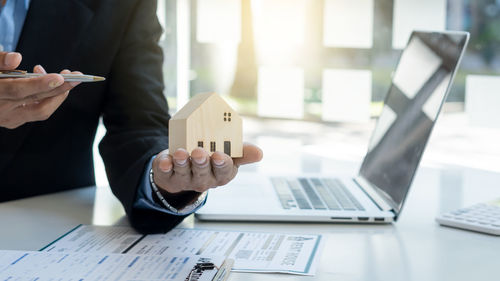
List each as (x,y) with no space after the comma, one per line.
(46,132)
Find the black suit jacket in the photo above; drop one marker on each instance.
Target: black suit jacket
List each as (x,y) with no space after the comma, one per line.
(117,39)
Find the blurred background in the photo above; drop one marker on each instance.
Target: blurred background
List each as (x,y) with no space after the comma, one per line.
(311,75)
(319,60)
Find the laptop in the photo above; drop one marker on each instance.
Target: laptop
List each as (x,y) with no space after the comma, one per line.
(419,88)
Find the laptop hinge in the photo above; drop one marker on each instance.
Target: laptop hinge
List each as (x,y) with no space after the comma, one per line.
(373,194)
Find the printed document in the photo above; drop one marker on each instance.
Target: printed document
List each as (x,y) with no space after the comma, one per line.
(251,251)
(45,266)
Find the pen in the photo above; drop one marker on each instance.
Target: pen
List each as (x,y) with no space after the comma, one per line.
(67,77)
(223,272)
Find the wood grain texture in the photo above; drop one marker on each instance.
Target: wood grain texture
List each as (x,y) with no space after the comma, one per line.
(209,119)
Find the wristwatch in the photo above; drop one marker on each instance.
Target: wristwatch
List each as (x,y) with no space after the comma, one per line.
(184,211)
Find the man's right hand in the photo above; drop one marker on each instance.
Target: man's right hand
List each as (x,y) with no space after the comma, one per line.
(24,100)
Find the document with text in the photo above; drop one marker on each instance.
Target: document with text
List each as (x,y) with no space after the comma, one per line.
(251,251)
(45,266)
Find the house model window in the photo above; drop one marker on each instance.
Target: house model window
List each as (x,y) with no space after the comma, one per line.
(199,122)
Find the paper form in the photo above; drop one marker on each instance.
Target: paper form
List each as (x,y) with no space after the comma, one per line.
(252,251)
(96,239)
(41,266)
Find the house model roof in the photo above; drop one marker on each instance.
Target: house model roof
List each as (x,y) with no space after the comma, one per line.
(194,104)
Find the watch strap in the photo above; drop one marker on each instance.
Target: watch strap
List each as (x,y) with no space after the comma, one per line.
(185,210)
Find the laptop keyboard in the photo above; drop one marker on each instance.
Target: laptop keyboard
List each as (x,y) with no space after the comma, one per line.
(315,193)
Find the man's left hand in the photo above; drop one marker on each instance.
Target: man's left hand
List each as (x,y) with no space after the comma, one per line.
(198,172)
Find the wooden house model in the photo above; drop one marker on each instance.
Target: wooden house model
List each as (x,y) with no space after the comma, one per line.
(207,121)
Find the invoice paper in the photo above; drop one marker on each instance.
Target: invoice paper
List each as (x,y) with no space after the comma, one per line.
(251,251)
(45,266)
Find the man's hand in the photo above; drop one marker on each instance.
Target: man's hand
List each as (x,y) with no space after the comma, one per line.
(181,173)
(24,100)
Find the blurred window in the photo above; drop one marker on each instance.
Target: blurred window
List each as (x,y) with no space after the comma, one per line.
(312,59)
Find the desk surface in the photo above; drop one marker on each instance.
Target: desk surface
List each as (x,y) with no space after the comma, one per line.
(413,248)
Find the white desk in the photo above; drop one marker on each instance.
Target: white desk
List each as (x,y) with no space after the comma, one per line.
(414,248)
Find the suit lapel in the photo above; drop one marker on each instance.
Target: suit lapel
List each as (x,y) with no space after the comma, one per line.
(52,31)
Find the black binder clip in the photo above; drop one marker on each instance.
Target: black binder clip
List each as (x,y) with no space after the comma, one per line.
(204,266)
(198,269)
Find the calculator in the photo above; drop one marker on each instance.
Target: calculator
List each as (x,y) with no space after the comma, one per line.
(482,217)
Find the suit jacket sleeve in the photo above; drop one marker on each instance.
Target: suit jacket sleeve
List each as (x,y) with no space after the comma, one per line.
(136,116)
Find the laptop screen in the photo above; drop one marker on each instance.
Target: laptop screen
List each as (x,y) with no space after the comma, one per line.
(419,87)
